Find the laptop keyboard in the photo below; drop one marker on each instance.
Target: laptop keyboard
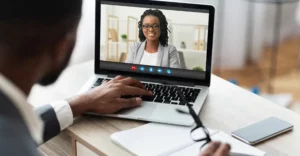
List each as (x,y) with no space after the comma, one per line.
(164,94)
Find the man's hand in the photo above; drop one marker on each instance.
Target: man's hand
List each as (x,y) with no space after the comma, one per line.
(216,149)
(106,98)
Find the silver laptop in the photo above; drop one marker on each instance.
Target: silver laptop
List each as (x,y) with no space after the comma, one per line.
(126,33)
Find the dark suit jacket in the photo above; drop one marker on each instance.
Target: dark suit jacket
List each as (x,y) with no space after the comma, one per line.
(15,138)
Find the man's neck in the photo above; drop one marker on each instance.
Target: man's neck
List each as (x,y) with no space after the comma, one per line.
(152,46)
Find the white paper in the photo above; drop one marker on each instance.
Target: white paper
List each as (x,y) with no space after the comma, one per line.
(163,140)
(154,139)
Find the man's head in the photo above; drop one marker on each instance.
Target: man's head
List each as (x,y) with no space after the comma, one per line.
(43,29)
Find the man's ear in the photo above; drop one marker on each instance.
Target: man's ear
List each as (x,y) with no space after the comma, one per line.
(62,48)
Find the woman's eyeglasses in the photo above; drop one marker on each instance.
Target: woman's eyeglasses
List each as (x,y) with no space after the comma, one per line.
(154,27)
(200,130)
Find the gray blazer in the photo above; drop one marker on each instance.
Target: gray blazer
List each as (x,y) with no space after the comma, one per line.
(15,138)
(167,56)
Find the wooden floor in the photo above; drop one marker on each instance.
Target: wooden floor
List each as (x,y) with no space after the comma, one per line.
(286,79)
(288,83)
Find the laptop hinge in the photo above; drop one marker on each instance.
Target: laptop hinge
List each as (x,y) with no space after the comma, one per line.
(171,82)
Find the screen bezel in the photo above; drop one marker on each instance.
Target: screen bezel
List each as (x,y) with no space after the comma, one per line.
(202,82)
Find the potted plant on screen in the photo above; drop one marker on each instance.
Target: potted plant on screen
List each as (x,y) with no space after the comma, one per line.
(124,37)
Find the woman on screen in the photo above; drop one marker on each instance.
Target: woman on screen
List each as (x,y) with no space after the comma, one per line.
(153,50)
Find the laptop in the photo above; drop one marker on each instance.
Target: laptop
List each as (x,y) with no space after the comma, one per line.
(183,57)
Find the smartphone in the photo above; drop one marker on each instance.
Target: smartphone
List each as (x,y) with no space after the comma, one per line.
(262,131)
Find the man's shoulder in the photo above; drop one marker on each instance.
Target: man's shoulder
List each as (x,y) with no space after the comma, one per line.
(10,116)
(15,137)
(7,107)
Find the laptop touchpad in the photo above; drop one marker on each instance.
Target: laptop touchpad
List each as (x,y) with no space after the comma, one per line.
(146,109)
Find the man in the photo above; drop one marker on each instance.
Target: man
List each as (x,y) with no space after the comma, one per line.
(36,41)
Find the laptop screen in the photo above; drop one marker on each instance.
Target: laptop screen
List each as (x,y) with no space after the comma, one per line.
(153,39)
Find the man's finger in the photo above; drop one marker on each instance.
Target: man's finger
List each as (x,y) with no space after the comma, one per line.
(128,103)
(211,149)
(119,77)
(223,150)
(130,90)
(132,82)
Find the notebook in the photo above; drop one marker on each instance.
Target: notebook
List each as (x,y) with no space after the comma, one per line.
(168,140)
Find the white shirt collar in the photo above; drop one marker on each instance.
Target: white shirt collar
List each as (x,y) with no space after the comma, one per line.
(18,98)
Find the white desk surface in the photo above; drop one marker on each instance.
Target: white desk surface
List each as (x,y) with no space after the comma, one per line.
(227,108)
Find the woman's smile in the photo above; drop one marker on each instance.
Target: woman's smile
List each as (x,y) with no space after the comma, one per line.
(152,34)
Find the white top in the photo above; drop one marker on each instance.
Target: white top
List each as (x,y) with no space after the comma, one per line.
(32,120)
(149,59)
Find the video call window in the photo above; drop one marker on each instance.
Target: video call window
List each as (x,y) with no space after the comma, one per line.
(154,37)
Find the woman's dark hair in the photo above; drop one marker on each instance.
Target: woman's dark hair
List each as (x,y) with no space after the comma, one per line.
(164,37)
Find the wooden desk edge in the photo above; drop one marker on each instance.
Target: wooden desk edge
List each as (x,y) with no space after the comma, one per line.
(84,143)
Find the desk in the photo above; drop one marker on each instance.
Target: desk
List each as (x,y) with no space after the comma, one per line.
(227,108)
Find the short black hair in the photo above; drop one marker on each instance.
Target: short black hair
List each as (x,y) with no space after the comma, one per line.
(26,26)
(164,36)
